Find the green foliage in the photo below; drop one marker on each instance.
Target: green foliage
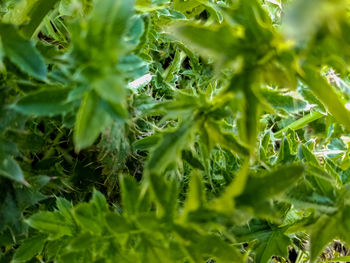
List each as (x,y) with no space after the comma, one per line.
(174,131)
(21,52)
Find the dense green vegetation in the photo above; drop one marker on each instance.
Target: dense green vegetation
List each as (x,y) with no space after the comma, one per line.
(174,131)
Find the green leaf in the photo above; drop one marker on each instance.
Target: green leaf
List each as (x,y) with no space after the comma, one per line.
(130,194)
(249,122)
(45,102)
(270,184)
(225,202)
(171,72)
(10,212)
(307,95)
(64,207)
(147,142)
(136,31)
(165,193)
(285,154)
(29,16)
(29,248)
(9,168)
(269,240)
(340,259)
(84,241)
(29,196)
(51,223)
(111,89)
(91,119)
(184,6)
(99,201)
(327,95)
(218,41)
(199,245)
(300,123)
(22,52)
(189,157)
(195,197)
(322,233)
(225,139)
(118,224)
(275,245)
(37,13)
(89,218)
(282,101)
(307,155)
(168,150)
(109,19)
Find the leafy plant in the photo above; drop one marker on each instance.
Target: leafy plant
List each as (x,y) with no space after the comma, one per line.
(174,131)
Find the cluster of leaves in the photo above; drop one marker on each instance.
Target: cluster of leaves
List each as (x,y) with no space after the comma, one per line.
(174,131)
